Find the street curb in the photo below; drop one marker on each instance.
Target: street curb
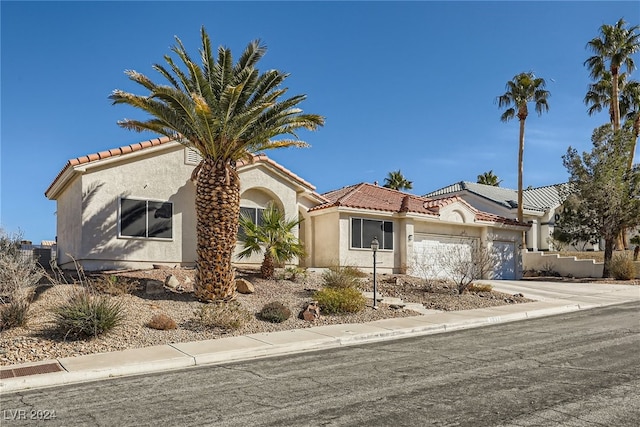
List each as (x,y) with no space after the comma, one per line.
(263,345)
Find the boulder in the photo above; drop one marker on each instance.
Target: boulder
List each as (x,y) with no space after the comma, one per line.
(312,312)
(244,286)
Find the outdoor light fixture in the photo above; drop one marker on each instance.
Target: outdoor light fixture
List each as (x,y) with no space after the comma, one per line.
(375,245)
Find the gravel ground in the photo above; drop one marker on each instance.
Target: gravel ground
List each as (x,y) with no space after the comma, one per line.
(40,341)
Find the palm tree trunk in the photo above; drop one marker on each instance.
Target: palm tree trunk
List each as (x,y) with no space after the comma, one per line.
(217,211)
(615,102)
(267,268)
(520,179)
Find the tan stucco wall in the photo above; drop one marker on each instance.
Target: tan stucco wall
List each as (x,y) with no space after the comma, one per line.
(69,223)
(159,176)
(88,208)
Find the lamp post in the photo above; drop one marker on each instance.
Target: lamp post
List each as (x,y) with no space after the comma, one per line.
(374,247)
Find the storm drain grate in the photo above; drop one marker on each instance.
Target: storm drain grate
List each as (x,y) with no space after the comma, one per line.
(30,370)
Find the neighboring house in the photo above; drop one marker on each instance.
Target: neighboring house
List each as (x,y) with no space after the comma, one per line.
(542,207)
(412,229)
(133,207)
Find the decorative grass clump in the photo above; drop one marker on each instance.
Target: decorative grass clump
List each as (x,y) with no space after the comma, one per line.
(274,312)
(622,267)
(340,300)
(162,322)
(14,314)
(479,287)
(341,277)
(226,316)
(86,314)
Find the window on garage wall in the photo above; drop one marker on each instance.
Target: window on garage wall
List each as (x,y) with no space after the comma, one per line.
(364,230)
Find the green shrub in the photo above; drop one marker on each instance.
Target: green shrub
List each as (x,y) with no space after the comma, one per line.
(341,277)
(274,312)
(622,267)
(479,287)
(85,314)
(162,322)
(229,315)
(14,313)
(340,300)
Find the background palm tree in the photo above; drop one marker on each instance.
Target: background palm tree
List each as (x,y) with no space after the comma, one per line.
(489,178)
(522,89)
(396,181)
(273,236)
(226,112)
(613,50)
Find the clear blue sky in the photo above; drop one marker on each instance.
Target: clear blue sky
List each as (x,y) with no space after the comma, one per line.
(403,85)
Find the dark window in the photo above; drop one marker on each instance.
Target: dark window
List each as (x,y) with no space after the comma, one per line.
(256,217)
(142,218)
(364,230)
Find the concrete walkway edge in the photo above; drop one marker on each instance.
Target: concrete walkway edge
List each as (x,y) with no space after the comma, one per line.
(551,299)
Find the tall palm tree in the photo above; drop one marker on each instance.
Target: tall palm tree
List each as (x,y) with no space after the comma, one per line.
(396,181)
(613,50)
(489,178)
(630,105)
(522,89)
(226,112)
(273,235)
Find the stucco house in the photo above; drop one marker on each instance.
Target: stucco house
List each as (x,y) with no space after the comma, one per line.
(542,206)
(133,207)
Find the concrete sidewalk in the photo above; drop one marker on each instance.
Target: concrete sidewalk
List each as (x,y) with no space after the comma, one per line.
(551,298)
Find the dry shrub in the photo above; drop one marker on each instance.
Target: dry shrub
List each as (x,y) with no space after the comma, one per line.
(161,322)
(479,287)
(341,277)
(14,313)
(113,285)
(622,267)
(222,315)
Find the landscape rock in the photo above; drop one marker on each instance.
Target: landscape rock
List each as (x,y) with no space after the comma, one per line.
(172,282)
(244,286)
(312,312)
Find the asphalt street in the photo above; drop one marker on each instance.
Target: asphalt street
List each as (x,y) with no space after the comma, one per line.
(576,369)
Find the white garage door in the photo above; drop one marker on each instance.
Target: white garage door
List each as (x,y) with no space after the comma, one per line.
(435,256)
(506,266)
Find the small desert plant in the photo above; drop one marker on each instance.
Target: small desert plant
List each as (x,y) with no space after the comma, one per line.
(86,314)
(161,322)
(275,312)
(341,277)
(14,313)
(113,285)
(621,267)
(229,316)
(295,273)
(548,269)
(340,300)
(479,287)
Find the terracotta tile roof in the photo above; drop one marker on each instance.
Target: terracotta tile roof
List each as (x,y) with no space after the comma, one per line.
(373,197)
(132,148)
